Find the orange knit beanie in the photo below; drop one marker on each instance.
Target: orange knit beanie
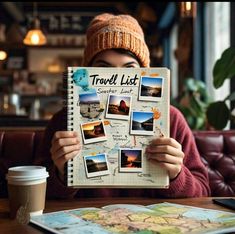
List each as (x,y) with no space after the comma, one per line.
(107,31)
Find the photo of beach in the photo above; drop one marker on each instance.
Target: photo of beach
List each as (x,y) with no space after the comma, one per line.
(151,88)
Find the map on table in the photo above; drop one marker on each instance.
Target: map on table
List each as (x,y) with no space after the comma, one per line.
(159,218)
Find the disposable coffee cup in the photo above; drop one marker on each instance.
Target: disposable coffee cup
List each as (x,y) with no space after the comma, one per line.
(26,190)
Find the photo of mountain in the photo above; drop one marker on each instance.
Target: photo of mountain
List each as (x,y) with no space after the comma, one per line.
(151,87)
(142,122)
(118,107)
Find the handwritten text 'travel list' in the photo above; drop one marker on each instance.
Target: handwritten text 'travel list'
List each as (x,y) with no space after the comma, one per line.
(124,81)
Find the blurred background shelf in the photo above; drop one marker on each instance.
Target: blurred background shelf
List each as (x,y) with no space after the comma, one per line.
(188,44)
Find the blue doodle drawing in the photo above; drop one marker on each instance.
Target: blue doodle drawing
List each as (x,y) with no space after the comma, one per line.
(80,78)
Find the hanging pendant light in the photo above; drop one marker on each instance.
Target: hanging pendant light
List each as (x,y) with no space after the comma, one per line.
(188,9)
(35,36)
(3,55)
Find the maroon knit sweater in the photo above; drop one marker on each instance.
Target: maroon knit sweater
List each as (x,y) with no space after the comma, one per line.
(191,182)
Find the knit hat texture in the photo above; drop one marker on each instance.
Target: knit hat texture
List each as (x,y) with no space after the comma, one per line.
(107,31)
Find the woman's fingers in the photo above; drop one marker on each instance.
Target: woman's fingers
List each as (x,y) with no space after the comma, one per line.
(167,153)
(60,161)
(165,158)
(164,149)
(62,142)
(65,150)
(65,146)
(166,141)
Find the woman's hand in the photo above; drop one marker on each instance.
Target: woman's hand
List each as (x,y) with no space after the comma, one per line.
(167,153)
(65,146)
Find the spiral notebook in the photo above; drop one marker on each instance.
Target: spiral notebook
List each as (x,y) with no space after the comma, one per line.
(116,113)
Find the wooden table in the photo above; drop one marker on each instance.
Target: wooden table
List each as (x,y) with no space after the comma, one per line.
(8,226)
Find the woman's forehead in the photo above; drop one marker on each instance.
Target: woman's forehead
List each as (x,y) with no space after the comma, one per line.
(114,58)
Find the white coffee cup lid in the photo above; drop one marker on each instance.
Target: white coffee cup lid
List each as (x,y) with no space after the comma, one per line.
(26,173)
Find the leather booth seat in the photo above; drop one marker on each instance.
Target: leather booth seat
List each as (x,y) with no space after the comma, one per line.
(17,148)
(217,150)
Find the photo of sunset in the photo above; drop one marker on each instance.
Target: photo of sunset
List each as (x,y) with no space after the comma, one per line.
(96,163)
(151,86)
(131,158)
(93,131)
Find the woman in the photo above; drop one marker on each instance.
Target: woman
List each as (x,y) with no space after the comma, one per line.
(118,41)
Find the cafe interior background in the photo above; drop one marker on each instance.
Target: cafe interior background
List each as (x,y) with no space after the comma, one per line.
(187,37)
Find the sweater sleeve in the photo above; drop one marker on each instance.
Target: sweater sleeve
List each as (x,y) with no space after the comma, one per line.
(193,179)
(55,187)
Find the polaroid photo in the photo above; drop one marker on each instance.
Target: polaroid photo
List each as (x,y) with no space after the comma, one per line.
(118,107)
(93,132)
(89,98)
(130,160)
(96,165)
(151,88)
(142,123)
(89,103)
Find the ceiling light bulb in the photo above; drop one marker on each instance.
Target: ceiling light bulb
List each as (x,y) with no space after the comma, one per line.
(188,6)
(3,55)
(188,9)
(35,38)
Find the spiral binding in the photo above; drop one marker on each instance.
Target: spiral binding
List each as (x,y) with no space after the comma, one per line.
(68,102)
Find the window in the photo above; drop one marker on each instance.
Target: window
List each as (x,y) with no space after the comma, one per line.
(173,61)
(217,39)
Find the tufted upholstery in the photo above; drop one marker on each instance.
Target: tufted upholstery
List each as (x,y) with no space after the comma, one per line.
(217,149)
(16,148)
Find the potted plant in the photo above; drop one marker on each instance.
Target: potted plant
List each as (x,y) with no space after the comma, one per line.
(193,103)
(218,113)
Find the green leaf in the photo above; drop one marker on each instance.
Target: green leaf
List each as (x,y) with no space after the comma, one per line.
(194,85)
(200,123)
(191,84)
(224,67)
(231,97)
(218,115)
(195,106)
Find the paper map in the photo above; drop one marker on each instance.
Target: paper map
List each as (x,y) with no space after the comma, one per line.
(159,218)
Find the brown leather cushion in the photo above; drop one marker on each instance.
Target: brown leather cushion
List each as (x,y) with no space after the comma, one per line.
(217,149)
(16,149)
